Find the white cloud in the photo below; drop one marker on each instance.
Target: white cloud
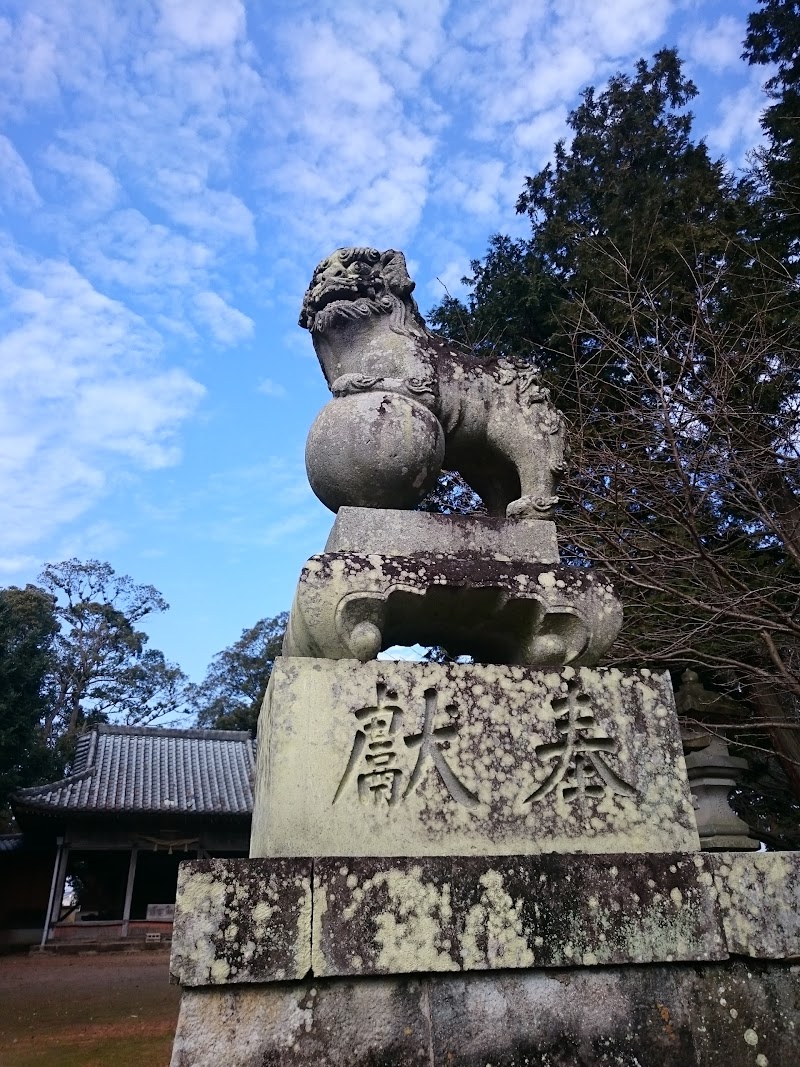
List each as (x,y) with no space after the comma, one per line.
(406,39)
(738,128)
(130,251)
(478,187)
(617,28)
(28,62)
(16,183)
(82,395)
(12,565)
(203,24)
(211,212)
(270,388)
(538,136)
(718,46)
(448,280)
(228,325)
(347,151)
(161,100)
(96,187)
(517,59)
(134,416)
(93,541)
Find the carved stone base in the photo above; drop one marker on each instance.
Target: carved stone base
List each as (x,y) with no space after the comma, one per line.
(244,922)
(507,926)
(395,758)
(731,1014)
(413,533)
(352,606)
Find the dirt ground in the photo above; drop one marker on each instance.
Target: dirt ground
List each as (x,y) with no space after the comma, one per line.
(87,1011)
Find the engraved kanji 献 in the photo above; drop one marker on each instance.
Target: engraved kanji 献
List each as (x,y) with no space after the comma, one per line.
(373,757)
(374,763)
(429,741)
(580,766)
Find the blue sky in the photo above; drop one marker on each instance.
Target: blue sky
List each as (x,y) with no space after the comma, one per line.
(170,174)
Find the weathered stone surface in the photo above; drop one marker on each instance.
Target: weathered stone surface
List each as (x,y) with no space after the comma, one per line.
(250,921)
(241,921)
(399,916)
(731,1014)
(384,1023)
(350,606)
(409,759)
(377,449)
(759,898)
(368,531)
(661,1016)
(501,432)
(713,773)
(570,1019)
(744,1013)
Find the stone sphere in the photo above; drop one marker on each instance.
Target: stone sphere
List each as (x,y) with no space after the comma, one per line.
(374,450)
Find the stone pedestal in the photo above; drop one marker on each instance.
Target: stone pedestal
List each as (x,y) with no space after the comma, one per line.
(493,864)
(488,588)
(557,961)
(410,759)
(732,1014)
(367,531)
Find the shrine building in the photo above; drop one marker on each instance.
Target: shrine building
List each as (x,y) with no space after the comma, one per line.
(138,801)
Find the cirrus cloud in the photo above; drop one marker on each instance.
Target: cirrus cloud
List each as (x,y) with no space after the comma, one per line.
(82,391)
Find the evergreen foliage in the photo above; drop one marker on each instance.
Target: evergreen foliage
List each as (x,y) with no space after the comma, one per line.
(230,695)
(101,667)
(659,301)
(773,37)
(71,656)
(27,628)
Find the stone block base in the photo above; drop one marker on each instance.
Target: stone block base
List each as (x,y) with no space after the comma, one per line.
(727,1014)
(424,759)
(258,921)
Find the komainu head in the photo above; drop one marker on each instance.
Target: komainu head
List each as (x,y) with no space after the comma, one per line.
(355,283)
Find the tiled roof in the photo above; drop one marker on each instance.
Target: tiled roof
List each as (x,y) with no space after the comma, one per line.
(11,842)
(142,769)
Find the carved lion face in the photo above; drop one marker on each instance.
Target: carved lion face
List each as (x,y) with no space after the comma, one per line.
(354,283)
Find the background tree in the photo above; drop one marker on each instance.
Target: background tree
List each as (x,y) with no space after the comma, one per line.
(101,667)
(773,37)
(664,316)
(27,628)
(511,304)
(230,695)
(633,195)
(687,495)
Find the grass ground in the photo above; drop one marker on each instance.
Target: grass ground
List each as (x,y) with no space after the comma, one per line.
(87,1011)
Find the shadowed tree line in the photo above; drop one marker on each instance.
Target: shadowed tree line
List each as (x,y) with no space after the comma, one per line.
(73,654)
(230,695)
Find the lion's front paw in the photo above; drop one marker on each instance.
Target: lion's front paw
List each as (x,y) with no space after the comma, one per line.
(531,507)
(347,384)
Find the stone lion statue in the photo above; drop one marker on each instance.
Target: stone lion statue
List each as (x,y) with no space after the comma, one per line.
(407,405)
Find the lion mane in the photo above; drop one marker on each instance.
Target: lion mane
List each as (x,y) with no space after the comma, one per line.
(501,432)
(353,283)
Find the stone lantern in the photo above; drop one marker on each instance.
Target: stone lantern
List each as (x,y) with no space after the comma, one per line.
(712,771)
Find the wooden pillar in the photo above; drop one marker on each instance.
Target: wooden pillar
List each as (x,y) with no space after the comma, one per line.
(126,914)
(56,889)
